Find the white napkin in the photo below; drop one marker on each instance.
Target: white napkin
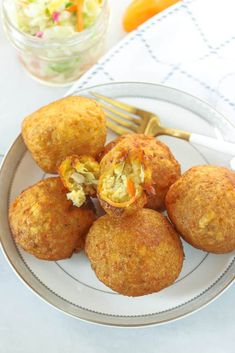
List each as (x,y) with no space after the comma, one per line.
(190,46)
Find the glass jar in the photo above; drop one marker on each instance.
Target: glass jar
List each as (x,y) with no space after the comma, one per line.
(57,62)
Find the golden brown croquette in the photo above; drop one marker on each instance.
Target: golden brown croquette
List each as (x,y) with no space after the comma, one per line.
(142,161)
(135,255)
(45,224)
(72,125)
(201,204)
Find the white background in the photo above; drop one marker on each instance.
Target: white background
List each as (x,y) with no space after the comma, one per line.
(29,325)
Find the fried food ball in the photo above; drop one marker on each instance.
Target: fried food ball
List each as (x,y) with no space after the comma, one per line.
(135,255)
(45,224)
(80,175)
(72,125)
(201,204)
(136,170)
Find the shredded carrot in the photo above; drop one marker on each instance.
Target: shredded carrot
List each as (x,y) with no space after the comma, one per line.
(72,8)
(80,24)
(130,187)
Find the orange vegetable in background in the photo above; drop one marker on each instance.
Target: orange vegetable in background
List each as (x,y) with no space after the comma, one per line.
(140,11)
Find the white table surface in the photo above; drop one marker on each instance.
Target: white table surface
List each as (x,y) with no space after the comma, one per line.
(29,325)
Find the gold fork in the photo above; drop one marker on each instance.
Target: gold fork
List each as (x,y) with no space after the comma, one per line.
(127,119)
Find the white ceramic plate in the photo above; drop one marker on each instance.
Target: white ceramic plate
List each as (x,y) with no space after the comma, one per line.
(71,285)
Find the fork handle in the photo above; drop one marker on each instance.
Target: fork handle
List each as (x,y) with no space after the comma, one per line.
(213,143)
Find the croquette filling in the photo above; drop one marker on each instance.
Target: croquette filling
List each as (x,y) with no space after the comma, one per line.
(123,183)
(84,176)
(78,197)
(83,180)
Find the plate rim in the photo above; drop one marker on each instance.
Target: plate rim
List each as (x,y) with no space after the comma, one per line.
(99,318)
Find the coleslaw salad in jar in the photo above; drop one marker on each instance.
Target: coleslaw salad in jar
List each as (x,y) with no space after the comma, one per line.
(56,40)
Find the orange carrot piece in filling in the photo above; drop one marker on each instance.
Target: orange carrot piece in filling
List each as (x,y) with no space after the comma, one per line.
(130,187)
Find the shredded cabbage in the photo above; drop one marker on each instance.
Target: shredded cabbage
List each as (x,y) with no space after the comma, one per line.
(54,19)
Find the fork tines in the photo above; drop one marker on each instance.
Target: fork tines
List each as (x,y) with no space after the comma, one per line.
(122,119)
